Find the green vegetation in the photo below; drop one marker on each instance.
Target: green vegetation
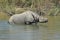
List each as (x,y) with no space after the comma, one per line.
(50,7)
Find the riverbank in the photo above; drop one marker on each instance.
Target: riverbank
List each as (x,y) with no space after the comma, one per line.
(3,16)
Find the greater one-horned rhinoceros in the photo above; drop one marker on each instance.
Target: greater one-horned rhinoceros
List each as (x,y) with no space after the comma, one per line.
(27,17)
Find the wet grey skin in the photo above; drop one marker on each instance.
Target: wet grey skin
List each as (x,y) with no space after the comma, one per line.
(27,17)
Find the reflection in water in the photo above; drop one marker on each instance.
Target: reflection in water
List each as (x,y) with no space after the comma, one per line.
(54,28)
(45,31)
(21,32)
(25,32)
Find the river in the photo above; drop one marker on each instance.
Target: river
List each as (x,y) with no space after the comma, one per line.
(41,31)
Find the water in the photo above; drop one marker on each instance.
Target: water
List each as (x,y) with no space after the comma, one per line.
(42,31)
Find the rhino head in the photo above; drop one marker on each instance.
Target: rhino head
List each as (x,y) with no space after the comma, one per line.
(43,19)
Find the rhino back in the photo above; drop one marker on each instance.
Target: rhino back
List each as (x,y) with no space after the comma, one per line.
(18,18)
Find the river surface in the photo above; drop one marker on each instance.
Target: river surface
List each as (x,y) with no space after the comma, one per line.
(41,31)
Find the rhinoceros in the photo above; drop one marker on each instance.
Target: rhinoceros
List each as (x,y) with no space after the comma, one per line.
(27,17)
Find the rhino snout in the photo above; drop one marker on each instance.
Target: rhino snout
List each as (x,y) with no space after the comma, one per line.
(44,20)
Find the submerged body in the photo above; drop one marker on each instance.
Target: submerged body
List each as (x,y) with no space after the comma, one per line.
(27,17)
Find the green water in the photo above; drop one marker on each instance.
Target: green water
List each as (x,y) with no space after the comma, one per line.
(42,31)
